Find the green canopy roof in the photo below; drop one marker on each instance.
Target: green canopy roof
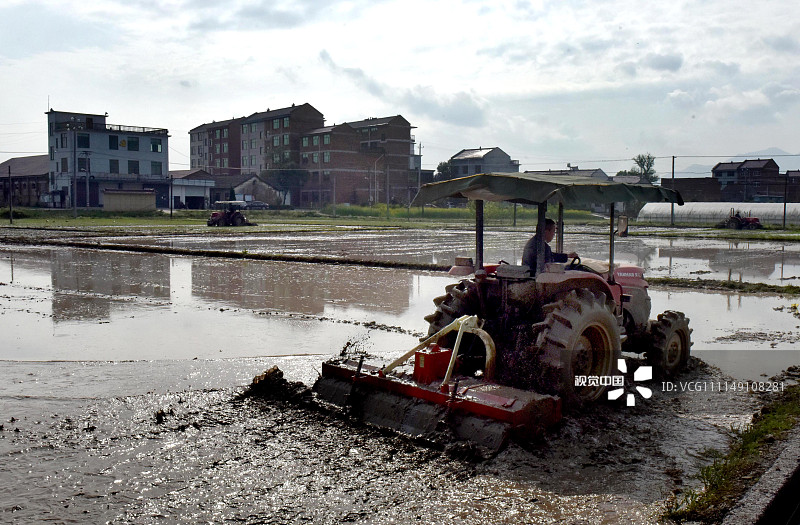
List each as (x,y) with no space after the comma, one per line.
(534,188)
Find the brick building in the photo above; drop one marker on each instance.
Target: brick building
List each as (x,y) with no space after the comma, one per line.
(363,162)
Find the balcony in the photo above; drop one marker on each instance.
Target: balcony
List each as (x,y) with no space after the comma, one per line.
(110,128)
(100,176)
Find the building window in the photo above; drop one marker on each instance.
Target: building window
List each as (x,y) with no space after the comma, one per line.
(133,167)
(244,128)
(253,127)
(326,156)
(276,158)
(252,160)
(63,140)
(113,166)
(276,124)
(477,168)
(217,133)
(64,165)
(113,142)
(224,147)
(217,148)
(224,163)
(286,154)
(83,164)
(315,158)
(286,140)
(155,145)
(315,140)
(225,133)
(244,161)
(276,140)
(244,144)
(285,122)
(83,140)
(216,162)
(52,153)
(252,143)
(155,168)
(326,139)
(305,142)
(304,158)
(133,144)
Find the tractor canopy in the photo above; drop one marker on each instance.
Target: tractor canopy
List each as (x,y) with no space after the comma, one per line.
(530,188)
(537,189)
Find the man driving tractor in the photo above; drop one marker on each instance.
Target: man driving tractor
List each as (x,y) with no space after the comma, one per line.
(529,254)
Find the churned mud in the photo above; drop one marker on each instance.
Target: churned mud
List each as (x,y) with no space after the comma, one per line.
(219,455)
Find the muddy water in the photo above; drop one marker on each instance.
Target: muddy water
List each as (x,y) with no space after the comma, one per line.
(751,261)
(96,344)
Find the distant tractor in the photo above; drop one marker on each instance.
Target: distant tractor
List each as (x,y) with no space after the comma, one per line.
(736,221)
(228,214)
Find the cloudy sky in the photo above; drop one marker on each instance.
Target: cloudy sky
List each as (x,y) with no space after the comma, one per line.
(592,83)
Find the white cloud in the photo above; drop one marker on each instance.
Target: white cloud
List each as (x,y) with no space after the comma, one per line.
(554,80)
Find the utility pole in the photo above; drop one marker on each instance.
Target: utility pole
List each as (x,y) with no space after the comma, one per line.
(419,178)
(87,154)
(672,204)
(74,169)
(785,195)
(11,198)
(386,169)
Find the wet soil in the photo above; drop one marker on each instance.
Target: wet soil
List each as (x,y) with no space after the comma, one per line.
(215,455)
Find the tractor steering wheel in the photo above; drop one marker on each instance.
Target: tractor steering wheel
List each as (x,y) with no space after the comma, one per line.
(501,261)
(574,263)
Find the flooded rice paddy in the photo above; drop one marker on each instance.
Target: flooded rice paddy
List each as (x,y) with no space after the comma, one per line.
(94,344)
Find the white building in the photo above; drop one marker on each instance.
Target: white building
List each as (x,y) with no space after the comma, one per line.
(88,156)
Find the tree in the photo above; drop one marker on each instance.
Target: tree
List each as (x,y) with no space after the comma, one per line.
(285,176)
(444,171)
(645,167)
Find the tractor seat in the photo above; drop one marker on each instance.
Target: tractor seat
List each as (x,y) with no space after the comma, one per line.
(513,271)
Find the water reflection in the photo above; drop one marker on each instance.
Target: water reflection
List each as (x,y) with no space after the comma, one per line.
(304,288)
(83,304)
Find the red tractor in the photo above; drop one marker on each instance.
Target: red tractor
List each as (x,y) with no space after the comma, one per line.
(736,221)
(514,344)
(228,213)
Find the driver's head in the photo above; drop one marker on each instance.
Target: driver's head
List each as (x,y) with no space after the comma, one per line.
(549,229)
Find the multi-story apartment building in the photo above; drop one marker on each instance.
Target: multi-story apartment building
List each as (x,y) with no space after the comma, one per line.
(261,142)
(88,156)
(355,162)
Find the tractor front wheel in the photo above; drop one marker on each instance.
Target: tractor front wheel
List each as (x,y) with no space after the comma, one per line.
(670,342)
(579,347)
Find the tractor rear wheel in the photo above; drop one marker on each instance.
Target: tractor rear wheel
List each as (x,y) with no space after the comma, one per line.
(238,219)
(460,299)
(670,342)
(580,341)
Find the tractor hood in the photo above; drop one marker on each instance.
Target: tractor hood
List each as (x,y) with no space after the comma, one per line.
(529,188)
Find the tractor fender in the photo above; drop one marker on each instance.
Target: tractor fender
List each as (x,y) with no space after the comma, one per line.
(551,285)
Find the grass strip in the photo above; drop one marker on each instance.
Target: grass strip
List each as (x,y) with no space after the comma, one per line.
(733,286)
(728,477)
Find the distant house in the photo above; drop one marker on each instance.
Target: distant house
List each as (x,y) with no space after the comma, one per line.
(242,188)
(748,172)
(29,180)
(88,155)
(482,160)
(191,189)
